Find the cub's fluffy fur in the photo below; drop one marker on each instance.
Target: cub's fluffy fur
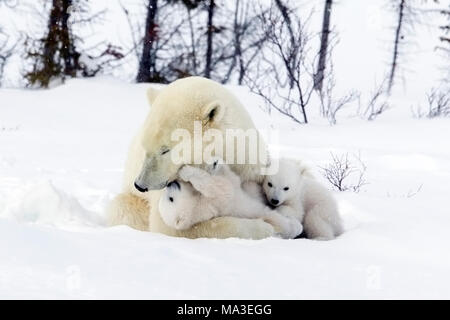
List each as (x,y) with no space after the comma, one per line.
(294,192)
(200,195)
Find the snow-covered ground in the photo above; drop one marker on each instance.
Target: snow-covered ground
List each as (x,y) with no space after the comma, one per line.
(62,153)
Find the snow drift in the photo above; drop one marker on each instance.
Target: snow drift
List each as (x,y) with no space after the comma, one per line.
(61,156)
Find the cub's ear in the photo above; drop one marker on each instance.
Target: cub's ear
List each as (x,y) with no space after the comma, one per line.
(306,171)
(213,112)
(152,93)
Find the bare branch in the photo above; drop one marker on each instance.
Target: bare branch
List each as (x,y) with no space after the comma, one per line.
(286,85)
(438,100)
(377,102)
(344,173)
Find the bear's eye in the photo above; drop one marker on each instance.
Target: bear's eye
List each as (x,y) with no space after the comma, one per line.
(211,114)
(269,184)
(286,188)
(171,199)
(165,151)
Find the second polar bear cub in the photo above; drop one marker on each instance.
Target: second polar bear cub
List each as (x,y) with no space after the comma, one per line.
(200,195)
(294,192)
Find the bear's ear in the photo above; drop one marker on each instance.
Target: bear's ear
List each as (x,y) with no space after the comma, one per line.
(152,93)
(213,112)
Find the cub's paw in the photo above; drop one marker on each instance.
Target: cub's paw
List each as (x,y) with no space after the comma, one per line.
(286,228)
(186,172)
(295,228)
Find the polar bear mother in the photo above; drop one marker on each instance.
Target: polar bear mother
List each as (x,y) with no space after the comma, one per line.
(149,166)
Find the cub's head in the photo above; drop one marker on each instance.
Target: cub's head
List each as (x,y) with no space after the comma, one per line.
(283,185)
(177,204)
(169,131)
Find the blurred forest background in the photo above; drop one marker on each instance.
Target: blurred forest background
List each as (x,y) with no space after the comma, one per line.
(284,51)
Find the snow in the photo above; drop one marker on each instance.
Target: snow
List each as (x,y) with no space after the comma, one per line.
(62,153)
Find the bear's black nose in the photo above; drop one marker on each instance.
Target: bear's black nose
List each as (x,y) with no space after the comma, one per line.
(139,188)
(274,202)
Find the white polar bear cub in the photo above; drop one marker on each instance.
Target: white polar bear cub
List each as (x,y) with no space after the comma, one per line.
(200,195)
(295,193)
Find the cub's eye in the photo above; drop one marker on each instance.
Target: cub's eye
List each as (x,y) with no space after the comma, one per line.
(171,199)
(286,188)
(269,184)
(165,151)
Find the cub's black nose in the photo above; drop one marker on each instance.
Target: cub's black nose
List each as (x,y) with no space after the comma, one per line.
(274,202)
(139,188)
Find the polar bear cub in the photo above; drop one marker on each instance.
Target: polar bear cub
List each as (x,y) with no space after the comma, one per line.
(200,195)
(294,192)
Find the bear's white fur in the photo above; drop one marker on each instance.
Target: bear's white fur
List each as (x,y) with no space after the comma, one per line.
(178,105)
(294,192)
(201,195)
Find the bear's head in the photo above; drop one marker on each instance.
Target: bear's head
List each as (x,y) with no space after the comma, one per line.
(178,106)
(177,204)
(285,184)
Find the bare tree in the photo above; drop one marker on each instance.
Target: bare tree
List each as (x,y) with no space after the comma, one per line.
(377,102)
(345,173)
(147,64)
(185,45)
(407,17)
(56,55)
(397,39)
(188,60)
(438,104)
(445,28)
(247,40)
(286,16)
(209,42)
(445,38)
(193,46)
(330,105)
(227,52)
(160,59)
(283,77)
(178,43)
(323,52)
